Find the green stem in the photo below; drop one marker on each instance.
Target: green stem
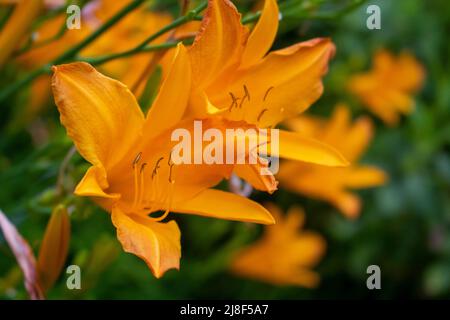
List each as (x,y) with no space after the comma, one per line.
(7,91)
(142,47)
(109,57)
(176,23)
(77,48)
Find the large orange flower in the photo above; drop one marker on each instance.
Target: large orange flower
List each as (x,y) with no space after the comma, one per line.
(132,174)
(327,183)
(284,255)
(127,33)
(234,78)
(387,89)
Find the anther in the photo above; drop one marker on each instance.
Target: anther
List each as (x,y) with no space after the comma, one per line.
(136,160)
(267,92)
(155,169)
(247,93)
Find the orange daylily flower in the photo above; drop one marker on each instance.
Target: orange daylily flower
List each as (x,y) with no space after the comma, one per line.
(284,255)
(387,89)
(132,174)
(234,78)
(331,184)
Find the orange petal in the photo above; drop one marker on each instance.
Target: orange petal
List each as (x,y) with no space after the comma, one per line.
(219,43)
(158,244)
(54,247)
(252,174)
(172,99)
(296,147)
(94,184)
(263,34)
(356,140)
(225,205)
(100,114)
(337,125)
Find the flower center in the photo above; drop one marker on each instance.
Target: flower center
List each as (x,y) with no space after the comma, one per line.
(158,197)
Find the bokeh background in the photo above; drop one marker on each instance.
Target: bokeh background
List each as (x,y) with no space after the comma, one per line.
(404,226)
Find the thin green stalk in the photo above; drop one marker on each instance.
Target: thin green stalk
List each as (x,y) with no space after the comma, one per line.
(6,92)
(143,46)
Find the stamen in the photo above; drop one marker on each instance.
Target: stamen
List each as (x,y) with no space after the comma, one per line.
(234,101)
(136,160)
(247,93)
(156,201)
(267,92)
(261,113)
(135,176)
(169,206)
(141,184)
(171,164)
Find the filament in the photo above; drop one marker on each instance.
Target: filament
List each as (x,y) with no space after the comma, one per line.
(169,206)
(155,169)
(135,176)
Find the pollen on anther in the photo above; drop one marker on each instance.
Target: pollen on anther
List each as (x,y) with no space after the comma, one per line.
(136,160)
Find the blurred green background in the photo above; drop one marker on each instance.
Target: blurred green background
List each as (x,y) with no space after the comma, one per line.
(404,226)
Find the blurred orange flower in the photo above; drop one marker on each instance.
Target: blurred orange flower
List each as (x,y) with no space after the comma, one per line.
(331,184)
(131,30)
(132,174)
(17,26)
(387,89)
(234,78)
(284,255)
